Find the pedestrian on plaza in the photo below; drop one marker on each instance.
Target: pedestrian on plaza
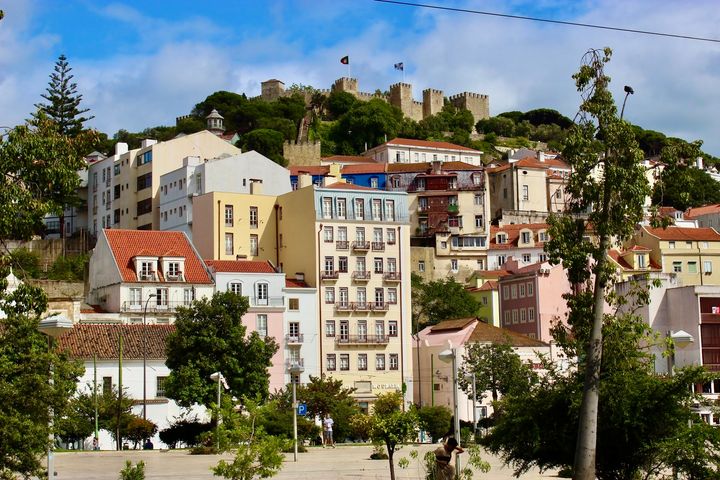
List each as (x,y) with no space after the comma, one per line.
(444,470)
(328,431)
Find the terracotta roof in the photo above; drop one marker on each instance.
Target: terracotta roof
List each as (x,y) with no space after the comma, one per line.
(682,233)
(126,244)
(489,285)
(533,162)
(428,144)
(84,340)
(240,266)
(617,257)
(311,169)
(364,168)
(484,333)
(347,158)
(456,324)
(91,309)
(349,186)
(513,235)
(294,283)
(704,210)
(491,273)
(425,166)
(639,248)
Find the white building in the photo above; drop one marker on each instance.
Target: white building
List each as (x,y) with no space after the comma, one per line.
(101,189)
(405,150)
(248,172)
(302,336)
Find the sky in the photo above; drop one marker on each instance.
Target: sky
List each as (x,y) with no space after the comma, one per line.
(140,64)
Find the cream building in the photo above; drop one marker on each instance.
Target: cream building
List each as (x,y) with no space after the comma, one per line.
(405,150)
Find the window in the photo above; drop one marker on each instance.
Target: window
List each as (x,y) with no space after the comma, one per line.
(640,261)
(507,317)
(514,316)
(379,297)
(344,296)
(525,237)
(161,297)
(529,289)
(707,266)
(228,215)
(360,234)
(253,245)
(479,221)
(454,221)
(342,234)
(362,361)
(229,244)
(144,181)
(380,361)
(327,207)
(393,328)
(671,244)
(390,210)
(261,325)
(329,265)
(484,300)
(558,193)
(360,264)
(521,290)
(542,236)
(454,265)
(391,265)
(344,361)
(329,294)
(523,315)
(392,296)
(160,386)
(394,361)
(525,192)
(374,182)
(261,291)
(294,304)
(677,267)
(144,206)
(478,199)
(542,257)
(329,328)
(173,269)
(145,158)
(692,267)
(531,314)
(330,362)
(688,244)
(328,234)
(501,238)
(188,296)
(421,265)
(501,260)
(253,217)
(341,206)
(235,287)
(526,258)
(506,292)
(513,291)
(135,297)
(378,265)
(342,264)
(359,209)
(107,385)
(361,295)
(376,211)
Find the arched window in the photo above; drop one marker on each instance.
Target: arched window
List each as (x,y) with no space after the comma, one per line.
(235,287)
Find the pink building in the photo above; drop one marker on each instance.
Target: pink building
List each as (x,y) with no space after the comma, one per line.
(531,298)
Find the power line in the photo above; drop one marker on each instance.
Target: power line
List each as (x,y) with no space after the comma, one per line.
(545,20)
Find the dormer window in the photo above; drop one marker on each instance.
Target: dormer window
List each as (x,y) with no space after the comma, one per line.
(173,271)
(172,268)
(542,236)
(641,261)
(525,237)
(147,270)
(501,238)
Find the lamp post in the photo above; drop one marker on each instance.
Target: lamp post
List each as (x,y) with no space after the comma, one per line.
(628,91)
(218,377)
(471,377)
(295,369)
(53,327)
(450,355)
(682,339)
(144,334)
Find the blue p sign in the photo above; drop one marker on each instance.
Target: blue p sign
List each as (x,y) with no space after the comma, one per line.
(302,409)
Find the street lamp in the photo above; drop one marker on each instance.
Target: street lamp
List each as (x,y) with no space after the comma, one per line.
(53,327)
(218,377)
(450,355)
(144,334)
(295,369)
(682,339)
(628,91)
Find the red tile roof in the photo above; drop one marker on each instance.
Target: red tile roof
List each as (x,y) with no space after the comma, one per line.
(311,169)
(533,162)
(349,186)
(617,257)
(294,283)
(240,266)
(513,235)
(489,285)
(84,340)
(684,234)
(364,168)
(347,158)
(485,333)
(455,324)
(704,210)
(426,166)
(127,244)
(428,144)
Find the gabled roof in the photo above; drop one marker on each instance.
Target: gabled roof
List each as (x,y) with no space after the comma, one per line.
(513,234)
(427,144)
(423,167)
(363,168)
(455,324)
(487,286)
(240,266)
(311,169)
(84,340)
(684,233)
(693,213)
(485,333)
(618,257)
(295,283)
(533,162)
(127,244)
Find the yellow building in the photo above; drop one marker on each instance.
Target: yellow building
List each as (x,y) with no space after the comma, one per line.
(692,254)
(633,261)
(352,244)
(136,176)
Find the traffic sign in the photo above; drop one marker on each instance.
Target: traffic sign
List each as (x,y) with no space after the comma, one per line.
(302,409)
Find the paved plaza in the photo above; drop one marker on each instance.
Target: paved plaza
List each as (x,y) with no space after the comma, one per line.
(343,462)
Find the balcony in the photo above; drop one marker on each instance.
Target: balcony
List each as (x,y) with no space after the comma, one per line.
(380,306)
(296,339)
(329,275)
(148,277)
(453,208)
(378,246)
(267,301)
(342,244)
(154,307)
(361,306)
(361,340)
(391,276)
(175,277)
(291,362)
(361,276)
(343,306)
(361,246)
(423,208)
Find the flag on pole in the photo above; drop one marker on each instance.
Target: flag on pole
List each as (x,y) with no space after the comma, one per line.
(345,60)
(400,66)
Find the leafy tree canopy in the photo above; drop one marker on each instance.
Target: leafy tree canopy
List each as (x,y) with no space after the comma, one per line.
(439,300)
(392,426)
(266,142)
(208,338)
(323,394)
(339,103)
(683,188)
(497,368)
(366,124)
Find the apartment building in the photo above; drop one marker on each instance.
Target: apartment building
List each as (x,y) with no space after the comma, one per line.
(523,242)
(706,216)
(302,334)
(406,150)
(350,243)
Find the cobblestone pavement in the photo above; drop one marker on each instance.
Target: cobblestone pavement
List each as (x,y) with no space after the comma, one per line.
(344,462)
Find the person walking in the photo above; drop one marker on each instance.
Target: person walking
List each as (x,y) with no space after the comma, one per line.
(444,470)
(328,431)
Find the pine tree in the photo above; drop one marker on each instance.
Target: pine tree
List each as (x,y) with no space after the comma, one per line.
(63,100)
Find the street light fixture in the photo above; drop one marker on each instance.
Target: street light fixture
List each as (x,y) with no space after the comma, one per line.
(681,339)
(295,369)
(144,334)
(54,327)
(628,91)
(450,355)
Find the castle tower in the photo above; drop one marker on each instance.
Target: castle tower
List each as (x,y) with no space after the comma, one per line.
(346,84)
(479,105)
(272,89)
(215,123)
(401,97)
(433,101)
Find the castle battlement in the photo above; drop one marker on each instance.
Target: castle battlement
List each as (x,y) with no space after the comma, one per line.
(433,90)
(400,85)
(468,95)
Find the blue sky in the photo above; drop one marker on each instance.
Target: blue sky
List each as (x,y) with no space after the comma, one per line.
(141,64)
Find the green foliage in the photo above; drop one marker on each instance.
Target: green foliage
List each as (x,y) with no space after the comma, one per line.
(392,426)
(323,394)
(266,142)
(434,420)
(139,429)
(499,125)
(78,423)
(184,431)
(277,418)
(25,263)
(360,426)
(339,103)
(63,106)
(39,166)
(683,188)
(497,368)
(26,395)
(547,116)
(130,472)
(366,123)
(440,300)
(207,338)
(69,268)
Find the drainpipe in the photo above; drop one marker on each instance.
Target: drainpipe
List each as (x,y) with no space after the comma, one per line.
(400,333)
(320,301)
(277,237)
(218,230)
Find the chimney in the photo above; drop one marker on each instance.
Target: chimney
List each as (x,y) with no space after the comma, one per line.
(335,170)
(699,163)
(304,180)
(436,167)
(541,156)
(147,142)
(256,186)
(120,148)
(300,276)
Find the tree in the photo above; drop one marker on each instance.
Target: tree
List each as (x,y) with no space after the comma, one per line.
(208,336)
(435,420)
(138,429)
(547,116)
(367,124)
(503,126)
(325,395)
(497,368)
(266,142)
(391,425)
(439,300)
(338,103)
(683,188)
(63,105)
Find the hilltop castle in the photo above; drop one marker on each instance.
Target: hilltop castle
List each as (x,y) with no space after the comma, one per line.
(400,96)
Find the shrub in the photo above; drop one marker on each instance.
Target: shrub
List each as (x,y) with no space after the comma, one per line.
(70,268)
(131,472)
(25,263)
(184,432)
(435,420)
(378,453)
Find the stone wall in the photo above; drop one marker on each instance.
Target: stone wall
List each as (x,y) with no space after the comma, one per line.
(302,153)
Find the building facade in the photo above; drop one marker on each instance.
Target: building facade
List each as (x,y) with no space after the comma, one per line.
(406,150)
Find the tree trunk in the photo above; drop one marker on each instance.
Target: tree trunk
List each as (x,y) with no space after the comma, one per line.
(392,464)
